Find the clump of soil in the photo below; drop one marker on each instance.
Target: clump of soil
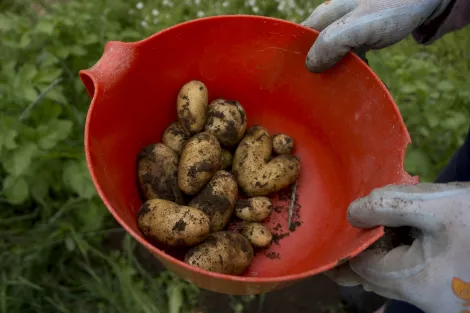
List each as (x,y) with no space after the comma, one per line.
(273,255)
(281,204)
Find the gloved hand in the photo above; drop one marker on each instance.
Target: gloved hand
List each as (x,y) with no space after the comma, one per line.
(369,24)
(434,272)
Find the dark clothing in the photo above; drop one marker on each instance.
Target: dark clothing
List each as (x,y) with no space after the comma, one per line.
(401,307)
(455,16)
(458,168)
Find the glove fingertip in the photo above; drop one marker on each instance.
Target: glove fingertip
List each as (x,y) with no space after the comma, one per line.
(317,64)
(315,67)
(356,210)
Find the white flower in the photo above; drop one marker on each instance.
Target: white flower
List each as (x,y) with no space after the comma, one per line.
(155,12)
(155,21)
(200,14)
(197,2)
(300,12)
(144,24)
(139,5)
(167,3)
(225,4)
(252,3)
(255,9)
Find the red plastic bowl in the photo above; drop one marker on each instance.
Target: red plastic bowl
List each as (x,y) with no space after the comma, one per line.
(348,132)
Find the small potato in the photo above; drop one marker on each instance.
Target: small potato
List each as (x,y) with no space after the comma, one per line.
(217,200)
(172,224)
(254,209)
(227,121)
(191,106)
(157,173)
(257,234)
(222,252)
(283,144)
(226,159)
(175,137)
(256,173)
(200,159)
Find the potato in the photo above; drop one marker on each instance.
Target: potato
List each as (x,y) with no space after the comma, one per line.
(254,209)
(166,222)
(191,106)
(200,159)
(283,144)
(257,234)
(157,173)
(227,121)
(256,174)
(226,159)
(217,200)
(175,137)
(222,252)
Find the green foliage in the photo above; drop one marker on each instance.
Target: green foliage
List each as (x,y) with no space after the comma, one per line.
(430,86)
(52,223)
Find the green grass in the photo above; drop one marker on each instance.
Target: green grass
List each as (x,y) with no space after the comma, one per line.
(53,226)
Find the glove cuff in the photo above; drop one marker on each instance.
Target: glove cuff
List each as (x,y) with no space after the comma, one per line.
(455,16)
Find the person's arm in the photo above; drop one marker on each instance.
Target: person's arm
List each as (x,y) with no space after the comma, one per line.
(347,25)
(454,17)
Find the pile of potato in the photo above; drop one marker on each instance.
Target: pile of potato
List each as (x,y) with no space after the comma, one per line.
(190,194)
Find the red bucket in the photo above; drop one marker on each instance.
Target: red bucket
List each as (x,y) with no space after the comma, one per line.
(349,134)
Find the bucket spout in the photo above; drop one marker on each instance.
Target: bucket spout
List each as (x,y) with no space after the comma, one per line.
(113,65)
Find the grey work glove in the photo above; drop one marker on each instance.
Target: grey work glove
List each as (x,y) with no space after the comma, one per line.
(367,24)
(433,273)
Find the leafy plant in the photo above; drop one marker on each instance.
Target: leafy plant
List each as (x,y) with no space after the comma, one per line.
(429,86)
(52,222)
(53,226)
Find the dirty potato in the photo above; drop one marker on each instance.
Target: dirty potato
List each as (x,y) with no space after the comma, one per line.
(200,159)
(222,252)
(254,209)
(256,174)
(166,222)
(226,159)
(191,106)
(283,144)
(259,235)
(175,137)
(157,173)
(227,121)
(217,200)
